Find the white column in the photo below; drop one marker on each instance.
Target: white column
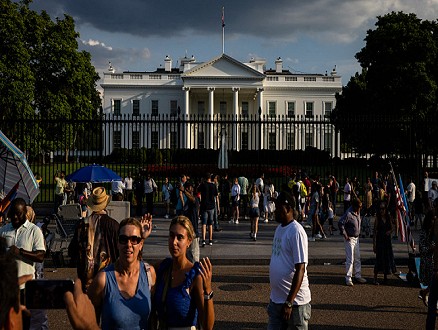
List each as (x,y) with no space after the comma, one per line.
(260,96)
(319,136)
(186,130)
(236,130)
(211,115)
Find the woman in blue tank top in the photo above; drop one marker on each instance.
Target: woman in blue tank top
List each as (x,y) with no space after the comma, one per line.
(121,292)
(183,291)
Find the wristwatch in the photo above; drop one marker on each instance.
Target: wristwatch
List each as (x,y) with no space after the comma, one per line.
(208,296)
(288,304)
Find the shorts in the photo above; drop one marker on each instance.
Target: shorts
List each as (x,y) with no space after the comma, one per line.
(254,212)
(234,202)
(207,217)
(84,208)
(166,201)
(411,207)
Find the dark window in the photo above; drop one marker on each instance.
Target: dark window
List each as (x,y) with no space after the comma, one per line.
(201,141)
(173,140)
(117,110)
(117,139)
(173,108)
(272,141)
(135,139)
(245,108)
(154,140)
(154,108)
(290,142)
(244,141)
(291,109)
(136,107)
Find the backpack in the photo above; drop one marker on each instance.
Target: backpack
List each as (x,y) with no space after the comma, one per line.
(174,197)
(303,191)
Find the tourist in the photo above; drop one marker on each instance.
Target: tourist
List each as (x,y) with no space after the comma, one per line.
(244,186)
(165,195)
(121,293)
(427,247)
(207,207)
(149,188)
(382,245)
(128,185)
(183,290)
(268,206)
(347,194)
(349,227)
(254,211)
(289,304)
(60,185)
(235,201)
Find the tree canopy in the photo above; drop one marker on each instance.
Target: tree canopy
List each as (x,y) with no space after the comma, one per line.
(44,75)
(397,88)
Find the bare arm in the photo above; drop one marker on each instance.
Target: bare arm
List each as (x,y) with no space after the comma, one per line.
(96,293)
(35,256)
(296,284)
(202,285)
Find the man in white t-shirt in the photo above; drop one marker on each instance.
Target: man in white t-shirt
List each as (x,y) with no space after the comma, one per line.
(433,194)
(347,195)
(410,193)
(128,181)
(290,294)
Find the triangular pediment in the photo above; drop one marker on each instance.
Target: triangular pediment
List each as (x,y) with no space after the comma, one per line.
(223,67)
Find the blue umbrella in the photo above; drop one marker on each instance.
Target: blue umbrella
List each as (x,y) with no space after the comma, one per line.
(93,173)
(15,169)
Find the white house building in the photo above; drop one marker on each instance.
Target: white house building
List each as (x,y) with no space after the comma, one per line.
(221,97)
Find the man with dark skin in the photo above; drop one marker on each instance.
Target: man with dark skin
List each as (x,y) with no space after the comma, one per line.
(25,241)
(290,294)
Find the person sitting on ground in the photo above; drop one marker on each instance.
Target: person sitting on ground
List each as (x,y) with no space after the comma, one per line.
(122,292)
(382,245)
(183,290)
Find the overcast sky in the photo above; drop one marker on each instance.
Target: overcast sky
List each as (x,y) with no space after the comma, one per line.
(310,36)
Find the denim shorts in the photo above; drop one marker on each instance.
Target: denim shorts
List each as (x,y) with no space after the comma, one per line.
(207,217)
(254,212)
(299,317)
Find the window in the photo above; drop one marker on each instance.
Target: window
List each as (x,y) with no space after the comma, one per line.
(290,141)
(135,139)
(173,140)
(173,108)
(290,78)
(271,109)
(328,79)
(117,76)
(154,140)
(328,138)
(201,141)
(309,109)
(272,141)
(117,139)
(290,109)
(309,78)
(201,108)
(327,109)
(136,76)
(223,108)
(309,137)
(245,107)
(173,76)
(117,106)
(155,76)
(272,78)
(136,107)
(154,108)
(244,145)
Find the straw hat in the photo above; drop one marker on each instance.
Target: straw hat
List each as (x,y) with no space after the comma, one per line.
(98,200)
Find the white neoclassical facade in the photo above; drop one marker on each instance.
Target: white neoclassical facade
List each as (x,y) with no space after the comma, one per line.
(227,95)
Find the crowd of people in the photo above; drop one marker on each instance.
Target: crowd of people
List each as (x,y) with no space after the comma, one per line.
(123,291)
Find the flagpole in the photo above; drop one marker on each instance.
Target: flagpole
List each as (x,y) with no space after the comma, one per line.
(223,30)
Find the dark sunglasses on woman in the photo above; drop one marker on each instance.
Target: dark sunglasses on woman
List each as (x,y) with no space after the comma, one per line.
(123,239)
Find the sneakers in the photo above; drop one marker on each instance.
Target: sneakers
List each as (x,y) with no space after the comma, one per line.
(266,220)
(323,237)
(251,235)
(231,221)
(236,222)
(311,239)
(361,280)
(318,236)
(166,217)
(307,226)
(210,242)
(348,283)
(254,238)
(203,243)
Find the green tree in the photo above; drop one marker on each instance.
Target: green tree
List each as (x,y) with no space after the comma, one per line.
(45,76)
(396,88)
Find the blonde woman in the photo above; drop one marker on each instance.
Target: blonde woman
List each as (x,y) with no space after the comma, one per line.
(254,211)
(183,291)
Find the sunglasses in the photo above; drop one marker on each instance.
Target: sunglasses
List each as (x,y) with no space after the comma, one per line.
(123,239)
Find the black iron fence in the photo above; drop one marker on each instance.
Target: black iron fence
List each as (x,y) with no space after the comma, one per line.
(278,146)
